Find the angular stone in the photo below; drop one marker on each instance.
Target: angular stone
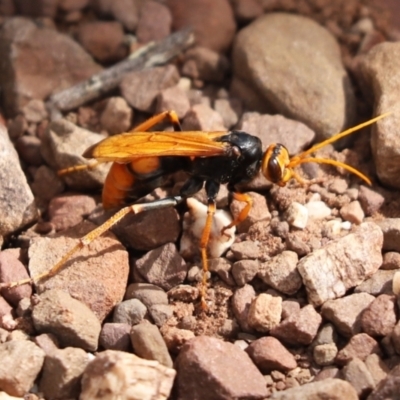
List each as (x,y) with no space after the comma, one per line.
(17,207)
(142,379)
(378,72)
(265,312)
(281,273)
(356,373)
(163,267)
(147,293)
(345,313)
(329,272)
(140,89)
(148,343)
(115,336)
(300,328)
(333,389)
(73,323)
(62,146)
(359,346)
(269,355)
(228,370)
(62,372)
(21,363)
(96,275)
(380,317)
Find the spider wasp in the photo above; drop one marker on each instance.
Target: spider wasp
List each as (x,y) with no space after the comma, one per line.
(141,160)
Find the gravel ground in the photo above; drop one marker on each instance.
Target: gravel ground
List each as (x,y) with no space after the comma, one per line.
(302,299)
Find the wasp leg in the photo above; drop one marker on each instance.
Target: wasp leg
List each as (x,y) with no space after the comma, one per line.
(166,115)
(205,237)
(91,236)
(245,198)
(91,165)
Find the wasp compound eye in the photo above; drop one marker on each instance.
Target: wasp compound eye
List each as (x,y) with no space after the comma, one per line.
(275,160)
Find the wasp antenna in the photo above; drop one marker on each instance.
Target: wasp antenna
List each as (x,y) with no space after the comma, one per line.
(342,134)
(92,164)
(332,162)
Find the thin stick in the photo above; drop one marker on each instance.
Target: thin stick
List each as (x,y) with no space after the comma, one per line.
(151,55)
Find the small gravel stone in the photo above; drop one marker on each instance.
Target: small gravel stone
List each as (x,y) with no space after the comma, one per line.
(116,116)
(324,354)
(395,336)
(21,364)
(147,293)
(62,371)
(342,264)
(160,313)
(148,343)
(290,307)
(140,89)
(370,200)
(228,370)
(99,282)
(28,148)
(297,215)
(378,283)
(360,346)
(333,389)
(173,98)
(299,329)
(204,64)
(62,145)
(391,260)
(345,313)
(130,312)
(115,336)
(47,342)
(356,373)
(154,22)
(184,293)
(230,110)
(142,379)
(245,250)
(326,373)
(317,210)
(265,312)
(163,267)
(269,354)
(326,335)
(175,338)
(244,271)
(391,233)
(241,301)
(396,284)
(379,318)
(11,270)
(377,368)
(388,388)
(338,186)
(281,273)
(71,321)
(222,267)
(67,211)
(352,212)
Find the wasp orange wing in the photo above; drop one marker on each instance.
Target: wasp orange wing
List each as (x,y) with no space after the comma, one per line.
(126,146)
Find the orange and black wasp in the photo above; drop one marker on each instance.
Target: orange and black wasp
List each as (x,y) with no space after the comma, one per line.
(141,160)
